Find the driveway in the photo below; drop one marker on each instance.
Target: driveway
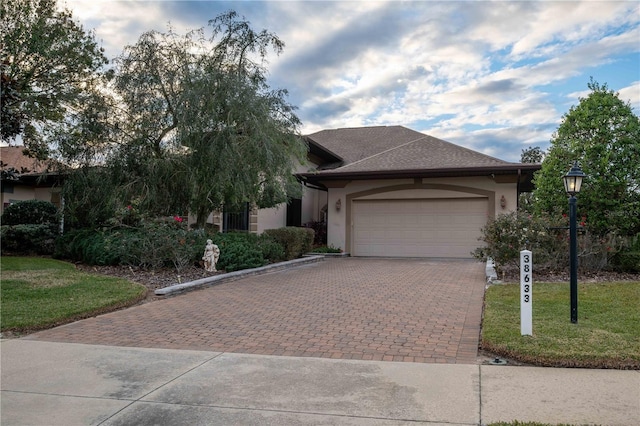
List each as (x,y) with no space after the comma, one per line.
(412,310)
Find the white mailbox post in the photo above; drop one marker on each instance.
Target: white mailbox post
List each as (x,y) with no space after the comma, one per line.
(526,282)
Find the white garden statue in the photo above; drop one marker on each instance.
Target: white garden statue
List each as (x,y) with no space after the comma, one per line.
(211,255)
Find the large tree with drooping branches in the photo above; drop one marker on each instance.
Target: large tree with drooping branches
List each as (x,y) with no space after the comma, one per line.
(197,126)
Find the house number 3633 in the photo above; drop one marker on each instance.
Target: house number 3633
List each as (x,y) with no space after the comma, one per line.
(526,267)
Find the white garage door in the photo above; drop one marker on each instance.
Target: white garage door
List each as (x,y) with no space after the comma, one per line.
(418,228)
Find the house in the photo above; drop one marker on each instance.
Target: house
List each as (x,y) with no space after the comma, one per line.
(383,191)
(25,178)
(311,207)
(394,192)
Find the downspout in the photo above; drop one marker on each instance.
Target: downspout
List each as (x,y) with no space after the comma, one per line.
(518,191)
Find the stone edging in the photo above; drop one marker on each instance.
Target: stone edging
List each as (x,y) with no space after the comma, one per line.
(327,254)
(232,276)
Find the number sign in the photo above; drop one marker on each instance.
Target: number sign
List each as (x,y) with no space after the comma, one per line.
(526,281)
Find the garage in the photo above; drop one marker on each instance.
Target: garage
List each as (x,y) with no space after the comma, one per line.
(418,228)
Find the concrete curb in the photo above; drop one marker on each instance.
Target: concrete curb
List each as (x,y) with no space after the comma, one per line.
(232,276)
(327,254)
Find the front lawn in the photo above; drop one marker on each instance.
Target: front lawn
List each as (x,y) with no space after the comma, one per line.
(38,293)
(607,334)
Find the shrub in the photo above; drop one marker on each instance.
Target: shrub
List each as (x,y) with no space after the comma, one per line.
(29,227)
(150,245)
(320,232)
(30,212)
(271,250)
(548,239)
(99,247)
(168,243)
(238,251)
(296,241)
(326,249)
(163,243)
(28,238)
(627,259)
(509,233)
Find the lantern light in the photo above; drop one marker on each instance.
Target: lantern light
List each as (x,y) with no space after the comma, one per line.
(573,180)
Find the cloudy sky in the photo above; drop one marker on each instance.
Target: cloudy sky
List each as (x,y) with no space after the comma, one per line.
(494,76)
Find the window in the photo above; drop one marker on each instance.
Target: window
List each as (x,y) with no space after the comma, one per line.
(7,188)
(294,212)
(236,220)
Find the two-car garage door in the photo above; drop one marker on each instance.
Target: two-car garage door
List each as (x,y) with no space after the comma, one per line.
(418,228)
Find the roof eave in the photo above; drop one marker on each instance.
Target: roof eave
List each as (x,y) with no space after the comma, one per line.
(514,168)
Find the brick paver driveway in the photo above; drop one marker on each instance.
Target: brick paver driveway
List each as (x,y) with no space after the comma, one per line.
(415,310)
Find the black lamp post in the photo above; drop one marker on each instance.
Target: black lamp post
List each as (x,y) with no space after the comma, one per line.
(572,184)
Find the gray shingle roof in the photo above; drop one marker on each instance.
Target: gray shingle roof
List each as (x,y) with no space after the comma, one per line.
(396,148)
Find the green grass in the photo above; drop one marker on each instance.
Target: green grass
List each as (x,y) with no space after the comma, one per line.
(38,293)
(607,334)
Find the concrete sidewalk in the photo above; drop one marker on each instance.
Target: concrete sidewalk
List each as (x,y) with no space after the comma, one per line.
(45,383)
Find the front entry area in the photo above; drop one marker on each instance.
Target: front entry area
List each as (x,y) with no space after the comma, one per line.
(447,227)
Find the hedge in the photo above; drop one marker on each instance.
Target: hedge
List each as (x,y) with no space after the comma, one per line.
(296,241)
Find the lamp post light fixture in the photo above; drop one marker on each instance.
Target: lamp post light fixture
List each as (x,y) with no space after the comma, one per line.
(572,184)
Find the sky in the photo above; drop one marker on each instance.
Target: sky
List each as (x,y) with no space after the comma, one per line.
(493,76)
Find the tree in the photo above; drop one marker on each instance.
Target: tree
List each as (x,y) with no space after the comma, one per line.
(532,155)
(525,199)
(199,128)
(603,135)
(48,62)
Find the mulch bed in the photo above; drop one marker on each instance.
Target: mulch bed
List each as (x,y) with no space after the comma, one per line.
(512,275)
(152,279)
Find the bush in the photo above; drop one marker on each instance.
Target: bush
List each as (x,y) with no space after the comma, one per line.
(320,232)
(296,241)
(509,233)
(271,250)
(326,249)
(150,245)
(165,243)
(28,238)
(29,227)
(30,212)
(548,239)
(627,259)
(238,251)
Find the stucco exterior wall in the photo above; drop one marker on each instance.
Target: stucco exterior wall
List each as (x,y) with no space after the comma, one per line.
(273,218)
(312,202)
(17,193)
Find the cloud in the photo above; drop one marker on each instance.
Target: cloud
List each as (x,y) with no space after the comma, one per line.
(118,23)
(631,94)
(487,75)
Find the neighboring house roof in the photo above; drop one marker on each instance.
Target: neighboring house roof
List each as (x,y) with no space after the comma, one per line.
(396,151)
(20,168)
(14,157)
